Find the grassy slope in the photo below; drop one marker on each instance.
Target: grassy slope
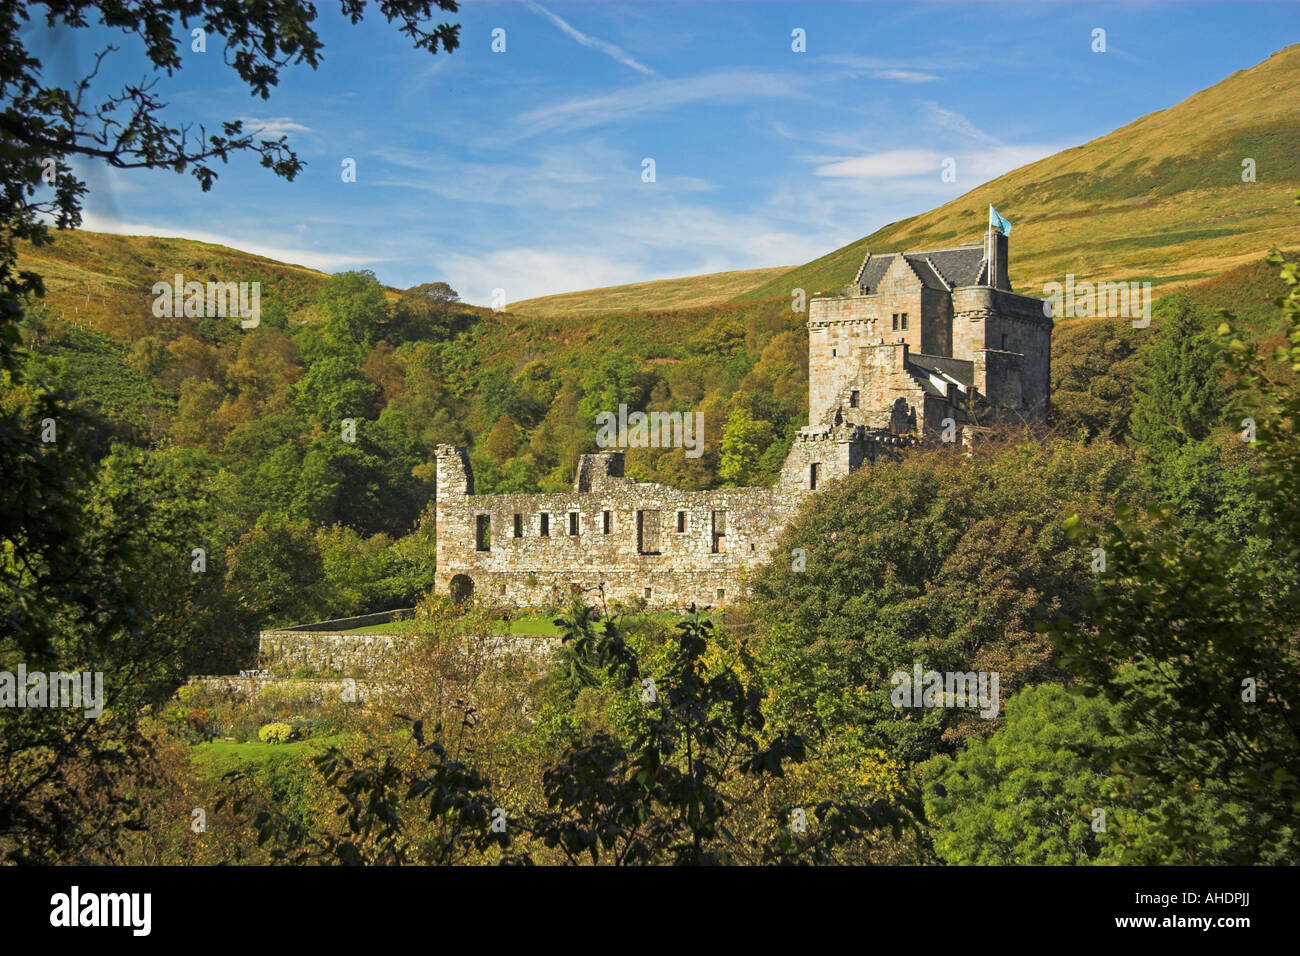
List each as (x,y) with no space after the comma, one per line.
(102,280)
(1160,199)
(681,293)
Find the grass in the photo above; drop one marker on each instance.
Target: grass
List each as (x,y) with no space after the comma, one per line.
(527,624)
(221,756)
(106,280)
(524,624)
(685,293)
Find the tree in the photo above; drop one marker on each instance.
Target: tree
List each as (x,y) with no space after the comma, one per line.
(502,442)
(1176,423)
(1025,795)
(936,560)
(669,795)
(428,313)
(1180,392)
(149,356)
(1094,366)
(1045,790)
(1196,641)
(333,389)
(275,573)
(743,443)
(437,291)
(95,578)
(354,307)
(198,407)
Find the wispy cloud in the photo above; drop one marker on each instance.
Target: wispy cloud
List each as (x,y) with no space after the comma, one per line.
(273,126)
(954,123)
(905,76)
(890,164)
(971,166)
(594,43)
(978,156)
(721,86)
(523,272)
(902,71)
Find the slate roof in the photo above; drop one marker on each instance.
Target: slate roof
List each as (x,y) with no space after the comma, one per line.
(937,268)
(873,270)
(960,266)
(963,370)
(930,276)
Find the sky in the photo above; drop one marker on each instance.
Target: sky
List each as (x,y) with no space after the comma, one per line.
(524,171)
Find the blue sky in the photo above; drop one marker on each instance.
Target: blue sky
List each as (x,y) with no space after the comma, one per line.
(522,170)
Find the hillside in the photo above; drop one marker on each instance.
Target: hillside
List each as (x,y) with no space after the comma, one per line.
(101,279)
(684,293)
(1161,199)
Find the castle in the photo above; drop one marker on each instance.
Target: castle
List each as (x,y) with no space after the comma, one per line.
(921,347)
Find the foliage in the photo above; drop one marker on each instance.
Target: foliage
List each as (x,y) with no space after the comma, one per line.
(1047,790)
(743,442)
(275,573)
(277,733)
(80,555)
(939,560)
(667,797)
(692,769)
(1196,642)
(378,790)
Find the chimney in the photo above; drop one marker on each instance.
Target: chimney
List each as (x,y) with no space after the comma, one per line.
(995,250)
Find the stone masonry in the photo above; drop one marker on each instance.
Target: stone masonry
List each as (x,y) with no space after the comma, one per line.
(920,343)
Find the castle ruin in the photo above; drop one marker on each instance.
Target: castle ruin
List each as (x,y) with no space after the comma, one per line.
(921,346)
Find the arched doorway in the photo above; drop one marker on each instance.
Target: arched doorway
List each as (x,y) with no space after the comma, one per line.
(461,588)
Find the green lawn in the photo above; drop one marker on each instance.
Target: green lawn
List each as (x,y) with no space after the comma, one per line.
(532,624)
(220,756)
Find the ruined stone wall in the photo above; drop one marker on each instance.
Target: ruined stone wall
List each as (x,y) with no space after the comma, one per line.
(313,691)
(321,653)
(834,451)
(627,540)
(837,328)
(889,396)
(323,656)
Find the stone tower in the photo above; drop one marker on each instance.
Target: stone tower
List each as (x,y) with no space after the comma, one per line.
(921,337)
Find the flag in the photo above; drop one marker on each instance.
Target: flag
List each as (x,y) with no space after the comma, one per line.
(997,222)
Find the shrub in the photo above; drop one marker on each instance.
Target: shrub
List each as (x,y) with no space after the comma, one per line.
(277,733)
